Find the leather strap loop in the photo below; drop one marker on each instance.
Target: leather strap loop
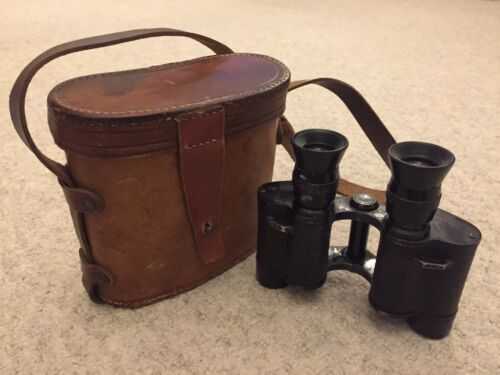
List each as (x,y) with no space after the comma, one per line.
(18,93)
(285,135)
(94,277)
(82,200)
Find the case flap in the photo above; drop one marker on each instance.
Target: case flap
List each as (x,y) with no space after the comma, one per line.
(201,151)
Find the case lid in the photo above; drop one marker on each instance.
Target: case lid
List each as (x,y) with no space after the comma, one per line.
(124,109)
(169,88)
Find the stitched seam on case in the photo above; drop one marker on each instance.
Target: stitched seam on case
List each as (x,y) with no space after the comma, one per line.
(285,75)
(197,116)
(111,122)
(201,144)
(159,121)
(156,147)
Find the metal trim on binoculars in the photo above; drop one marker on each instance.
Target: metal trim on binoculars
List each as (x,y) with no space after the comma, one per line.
(424,253)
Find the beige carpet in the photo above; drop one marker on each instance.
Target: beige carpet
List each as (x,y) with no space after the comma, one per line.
(432,71)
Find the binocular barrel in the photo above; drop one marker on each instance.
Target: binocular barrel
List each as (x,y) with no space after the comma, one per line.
(423,256)
(422,281)
(315,181)
(302,240)
(275,215)
(424,253)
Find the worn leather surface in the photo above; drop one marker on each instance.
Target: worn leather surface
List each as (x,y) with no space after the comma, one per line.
(169,88)
(131,117)
(144,236)
(131,133)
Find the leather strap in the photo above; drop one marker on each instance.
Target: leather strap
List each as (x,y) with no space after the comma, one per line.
(18,93)
(202,154)
(366,117)
(285,135)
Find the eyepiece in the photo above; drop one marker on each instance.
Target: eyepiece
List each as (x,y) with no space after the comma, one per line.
(414,192)
(418,169)
(318,153)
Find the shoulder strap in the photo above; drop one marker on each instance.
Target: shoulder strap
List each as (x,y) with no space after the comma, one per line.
(366,117)
(18,93)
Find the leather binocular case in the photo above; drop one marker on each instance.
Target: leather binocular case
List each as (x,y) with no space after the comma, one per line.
(163,163)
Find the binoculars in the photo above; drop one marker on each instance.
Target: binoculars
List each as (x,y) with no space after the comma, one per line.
(424,253)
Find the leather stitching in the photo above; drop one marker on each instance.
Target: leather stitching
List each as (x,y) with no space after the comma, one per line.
(285,74)
(158,121)
(197,116)
(201,144)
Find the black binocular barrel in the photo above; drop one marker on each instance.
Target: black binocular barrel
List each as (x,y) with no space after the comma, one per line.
(423,280)
(274,219)
(308,264)
(315,180)
(420,270)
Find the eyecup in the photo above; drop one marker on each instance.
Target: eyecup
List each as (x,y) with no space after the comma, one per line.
(418,166)
(318,153)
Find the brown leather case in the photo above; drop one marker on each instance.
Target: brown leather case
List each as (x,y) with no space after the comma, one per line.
(163,163)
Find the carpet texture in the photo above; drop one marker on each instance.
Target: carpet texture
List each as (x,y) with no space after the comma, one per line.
(431,69)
